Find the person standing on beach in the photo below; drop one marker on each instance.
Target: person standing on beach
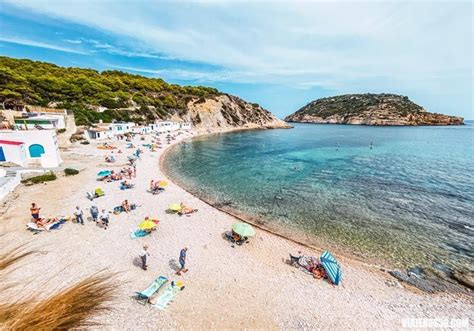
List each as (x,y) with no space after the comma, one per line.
(134,170)
(94,213)
(143,256)
(104,217)
(182,261)
(79,215)
(35,210)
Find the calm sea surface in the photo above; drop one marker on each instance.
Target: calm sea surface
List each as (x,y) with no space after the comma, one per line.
(407,200)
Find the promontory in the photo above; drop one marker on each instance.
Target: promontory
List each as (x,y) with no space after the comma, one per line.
(369,109)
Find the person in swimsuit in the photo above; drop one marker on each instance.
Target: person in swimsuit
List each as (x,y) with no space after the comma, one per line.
(35,210)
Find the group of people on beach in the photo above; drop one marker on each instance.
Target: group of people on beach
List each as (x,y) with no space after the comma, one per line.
(101,216)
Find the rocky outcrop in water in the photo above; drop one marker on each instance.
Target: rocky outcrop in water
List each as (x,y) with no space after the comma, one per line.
(369,109)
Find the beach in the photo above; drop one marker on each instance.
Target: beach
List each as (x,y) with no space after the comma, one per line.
(241,287)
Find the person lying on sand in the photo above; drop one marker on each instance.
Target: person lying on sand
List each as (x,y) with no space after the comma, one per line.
(42,222)
(185,210)
(126,185)
(126,206)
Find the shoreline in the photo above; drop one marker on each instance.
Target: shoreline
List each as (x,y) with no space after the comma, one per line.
(255,222)
(296,236)
(248,286)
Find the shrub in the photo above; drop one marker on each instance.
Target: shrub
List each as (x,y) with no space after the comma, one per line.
(70,172)
(74,307)
(85,142)
(61,130)
(40,179)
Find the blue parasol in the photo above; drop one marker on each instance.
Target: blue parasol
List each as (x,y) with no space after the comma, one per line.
(104,173)
(332,267)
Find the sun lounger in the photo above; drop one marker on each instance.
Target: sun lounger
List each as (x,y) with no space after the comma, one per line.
(168,295)
(145,295)
(51,226)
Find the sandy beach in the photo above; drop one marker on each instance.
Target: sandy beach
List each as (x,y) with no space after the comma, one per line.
(246,287)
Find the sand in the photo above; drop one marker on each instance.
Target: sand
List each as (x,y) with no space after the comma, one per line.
(226,287)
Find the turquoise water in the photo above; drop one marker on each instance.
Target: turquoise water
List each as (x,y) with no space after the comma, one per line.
(408,200)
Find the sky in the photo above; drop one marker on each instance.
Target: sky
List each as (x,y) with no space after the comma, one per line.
(281,54)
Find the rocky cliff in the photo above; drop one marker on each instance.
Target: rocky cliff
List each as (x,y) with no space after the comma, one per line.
(369,109)
(105,96)
(226,112)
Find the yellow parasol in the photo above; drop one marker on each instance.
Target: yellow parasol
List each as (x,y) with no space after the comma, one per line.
(175,207)
(162,183)
(147,225)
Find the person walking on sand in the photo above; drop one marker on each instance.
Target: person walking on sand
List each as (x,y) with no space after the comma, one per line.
(79,215)
(182,261)
(143,256)
(94,213)
(104,217)
(35,210)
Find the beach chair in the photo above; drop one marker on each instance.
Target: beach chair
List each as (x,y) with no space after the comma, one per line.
(145,295)
(168,295)
(99,192)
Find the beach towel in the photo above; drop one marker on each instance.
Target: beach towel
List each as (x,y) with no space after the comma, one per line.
(138,234)
(168,295)
(154,287)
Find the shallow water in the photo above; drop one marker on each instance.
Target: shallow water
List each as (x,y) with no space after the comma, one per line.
(407,199)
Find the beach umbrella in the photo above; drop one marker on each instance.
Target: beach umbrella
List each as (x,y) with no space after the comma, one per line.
(104,173)
(175,207)
(243,229)
(162,183)
(331,266)
(147,225)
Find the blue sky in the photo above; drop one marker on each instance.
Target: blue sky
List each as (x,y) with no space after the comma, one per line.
(279,54)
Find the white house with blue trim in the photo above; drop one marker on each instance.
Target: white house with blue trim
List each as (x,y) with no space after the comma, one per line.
(38,147)
(121,127)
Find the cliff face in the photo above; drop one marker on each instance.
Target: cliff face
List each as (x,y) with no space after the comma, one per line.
(95,96)
(369,109)
(226,112)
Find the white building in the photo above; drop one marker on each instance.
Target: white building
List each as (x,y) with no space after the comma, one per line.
(141,129)
(47,122)
(98,134)
(167,126)
(40,146)
(121,127)
(13,151)
(185,126)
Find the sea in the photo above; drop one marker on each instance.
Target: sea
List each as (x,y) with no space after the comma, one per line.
(402,197)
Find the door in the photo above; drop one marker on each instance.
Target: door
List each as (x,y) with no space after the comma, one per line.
(36,150)
(2,155)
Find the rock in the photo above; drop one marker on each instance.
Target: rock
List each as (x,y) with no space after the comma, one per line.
(369,109)
(463,278)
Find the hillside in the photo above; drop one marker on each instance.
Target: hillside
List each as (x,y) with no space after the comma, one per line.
(369,109)
(115,95)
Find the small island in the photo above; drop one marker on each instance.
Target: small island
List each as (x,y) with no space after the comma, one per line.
(369,109)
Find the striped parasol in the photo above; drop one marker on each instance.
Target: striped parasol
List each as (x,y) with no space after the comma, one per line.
(332,267)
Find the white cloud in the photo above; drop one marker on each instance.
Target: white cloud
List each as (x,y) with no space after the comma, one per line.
(425,47)
(34,43)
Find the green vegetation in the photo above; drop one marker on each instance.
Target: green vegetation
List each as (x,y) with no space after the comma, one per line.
(70,172)
(83,91)
(354,104)
(40,179)
(61,130)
